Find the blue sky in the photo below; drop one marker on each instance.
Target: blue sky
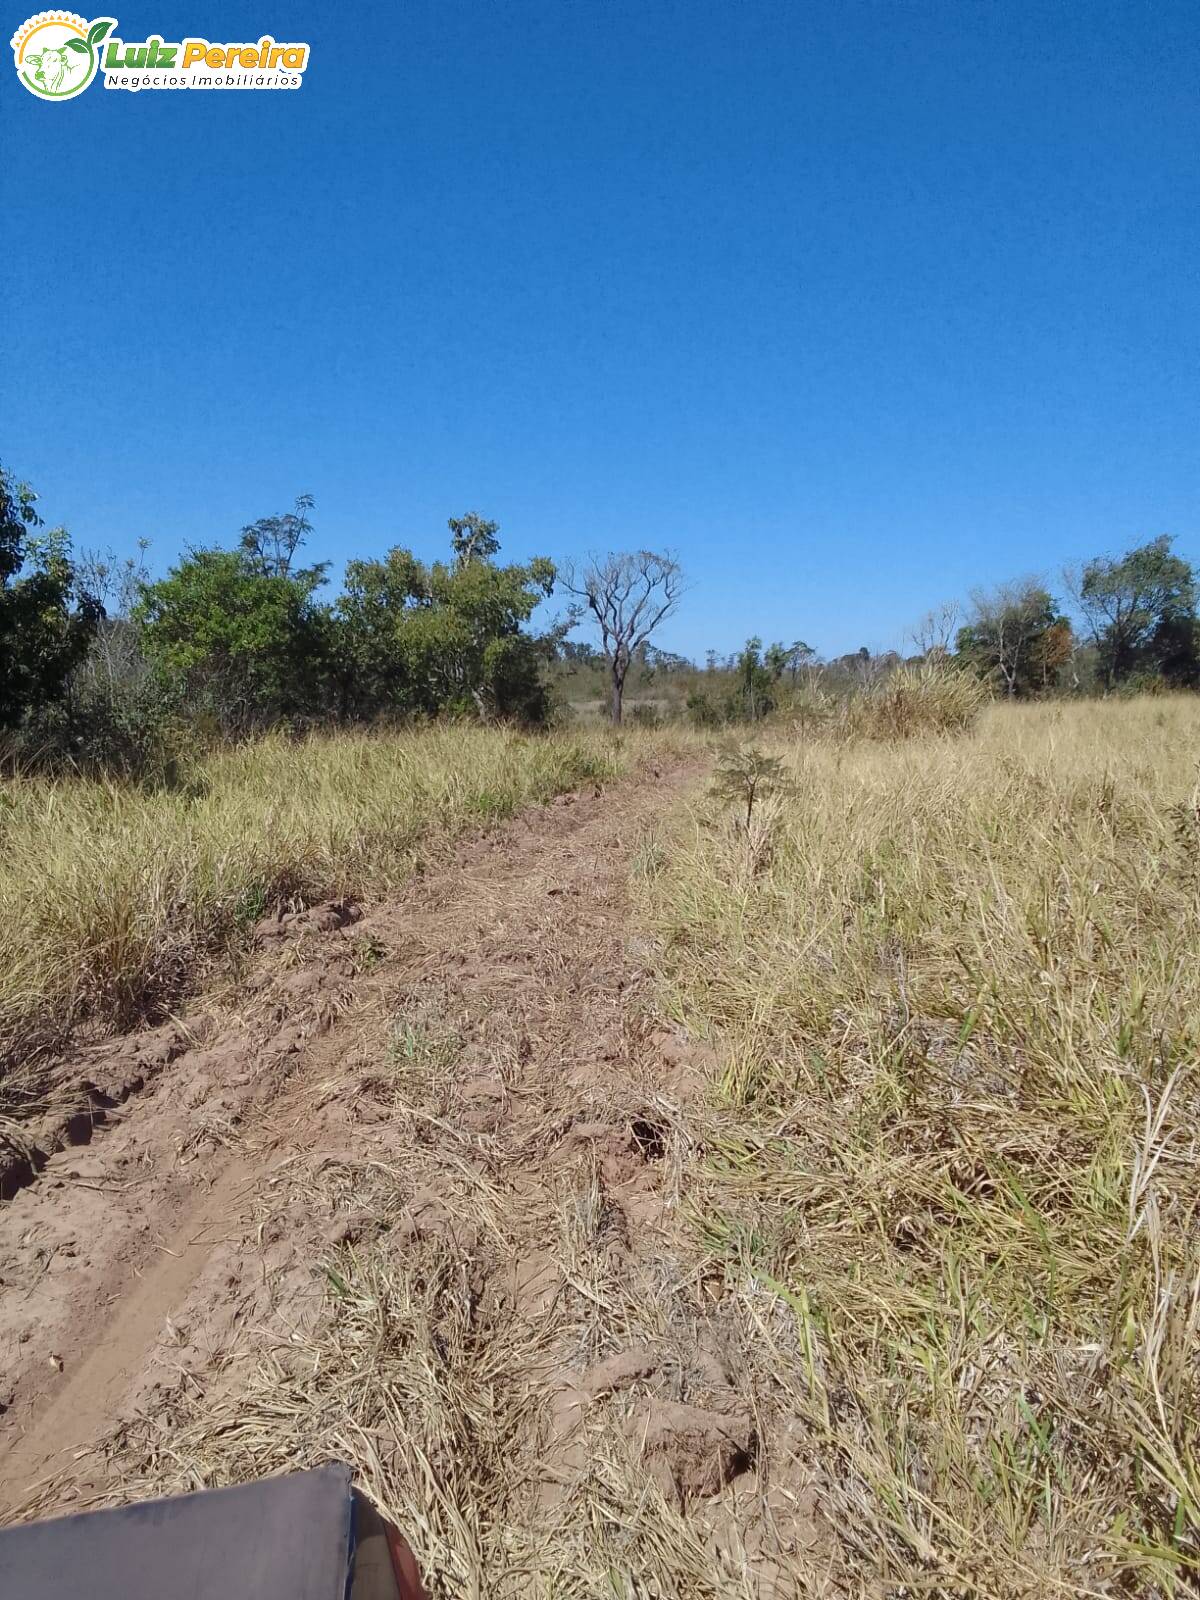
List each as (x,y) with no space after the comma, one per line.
(853,305)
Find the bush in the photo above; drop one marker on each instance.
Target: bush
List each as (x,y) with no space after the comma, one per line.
(914,701)
(132,728)
(645,716)
(703,711)
(1144,683)
(117,716)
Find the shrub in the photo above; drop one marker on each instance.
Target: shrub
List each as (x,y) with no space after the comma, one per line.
(746,775)
(1144,683)
(703,710)
(915,701)
(645,716)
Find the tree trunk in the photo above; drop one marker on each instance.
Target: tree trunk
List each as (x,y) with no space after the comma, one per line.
(618,694)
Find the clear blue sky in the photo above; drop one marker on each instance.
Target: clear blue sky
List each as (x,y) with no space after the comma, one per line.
(853,304)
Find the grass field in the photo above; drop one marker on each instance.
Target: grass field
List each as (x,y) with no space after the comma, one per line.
(922,1227)
(113,900)
(951,1171)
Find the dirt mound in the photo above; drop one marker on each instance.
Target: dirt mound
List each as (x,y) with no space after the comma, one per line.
(325,918)
(692,1451)
(86,1090)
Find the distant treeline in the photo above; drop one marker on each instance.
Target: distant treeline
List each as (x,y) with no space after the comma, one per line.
(1129,625)
(104,668)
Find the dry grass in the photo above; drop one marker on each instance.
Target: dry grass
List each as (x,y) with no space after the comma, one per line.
(916,701)
(912,702)
(112,900)
(939,1217)
(422,1373)
(956,991)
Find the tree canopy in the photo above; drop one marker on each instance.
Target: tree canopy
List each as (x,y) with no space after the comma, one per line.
(246,631)
(1008,632)
(445,637)
(1141,609)
(46,622)
(250,634)
(249,645)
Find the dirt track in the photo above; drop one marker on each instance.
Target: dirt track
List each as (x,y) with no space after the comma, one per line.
(99,1254)
(493,1024)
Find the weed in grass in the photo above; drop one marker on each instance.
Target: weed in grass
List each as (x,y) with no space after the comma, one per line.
(746,775)
(421,1055)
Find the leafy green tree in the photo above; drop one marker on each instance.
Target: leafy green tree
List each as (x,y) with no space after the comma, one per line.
(473,538)
(749,692)
(580,653)
(447,637)
(667,661)
(1141,610)
(775,660)
(799,655)
(376,605)
(1004,637)
(270,544)
(241,630)
(46,622)
(756,676)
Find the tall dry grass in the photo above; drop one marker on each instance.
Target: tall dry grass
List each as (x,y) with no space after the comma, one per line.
(112,900)
(952,1172)
(909,703)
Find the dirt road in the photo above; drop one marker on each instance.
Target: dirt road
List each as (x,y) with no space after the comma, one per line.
(473,1076)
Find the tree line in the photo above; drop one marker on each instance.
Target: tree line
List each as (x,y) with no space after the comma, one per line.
(102,665)
(1126,624)
(105,666)
(1134,626)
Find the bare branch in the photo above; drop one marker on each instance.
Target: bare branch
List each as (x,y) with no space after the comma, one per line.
(629,595)
(934,633)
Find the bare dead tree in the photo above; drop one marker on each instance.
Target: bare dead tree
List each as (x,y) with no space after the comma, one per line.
(1072,577)
(934,633)
(629,596)
(117,583)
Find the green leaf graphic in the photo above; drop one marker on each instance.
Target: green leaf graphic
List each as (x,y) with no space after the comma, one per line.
(97,31)
(77,44)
